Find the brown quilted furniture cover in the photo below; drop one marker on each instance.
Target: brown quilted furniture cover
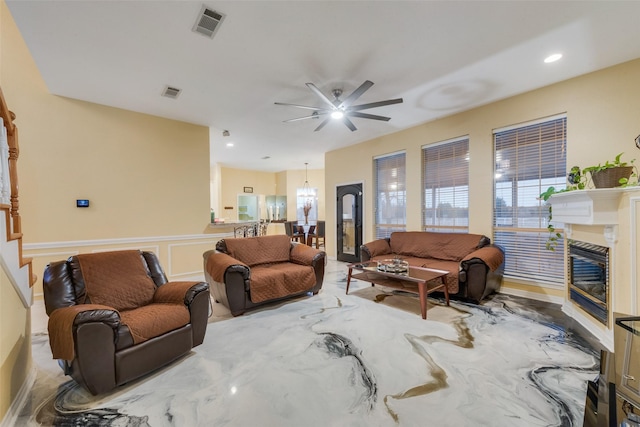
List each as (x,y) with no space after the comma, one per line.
(272,281)
(117,279)
(61,329)
(153,320)
(444,246)
(379,247)
(120,280)
(445,251)
(263,250)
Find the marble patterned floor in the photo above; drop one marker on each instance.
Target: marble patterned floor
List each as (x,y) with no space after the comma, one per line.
(363,359)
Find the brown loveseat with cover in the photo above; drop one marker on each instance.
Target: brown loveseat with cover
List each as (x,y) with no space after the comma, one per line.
(114,317)
(475,265)
(248,272)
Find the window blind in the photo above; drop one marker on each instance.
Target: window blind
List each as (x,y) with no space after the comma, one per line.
(445,179)
(528,160)
(390,183)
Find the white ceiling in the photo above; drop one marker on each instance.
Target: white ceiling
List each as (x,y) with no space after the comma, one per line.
(442,57)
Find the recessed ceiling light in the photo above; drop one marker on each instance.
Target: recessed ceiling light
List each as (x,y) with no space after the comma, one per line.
(229,144)
(552,58)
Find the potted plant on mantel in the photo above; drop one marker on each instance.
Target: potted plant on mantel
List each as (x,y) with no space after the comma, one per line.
(611,174)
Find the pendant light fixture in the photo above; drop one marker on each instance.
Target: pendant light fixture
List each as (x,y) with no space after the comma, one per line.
(306,188)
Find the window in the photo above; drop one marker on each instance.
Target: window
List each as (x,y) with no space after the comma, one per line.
(390,178)
(529,159)
(445,182)
(307,202)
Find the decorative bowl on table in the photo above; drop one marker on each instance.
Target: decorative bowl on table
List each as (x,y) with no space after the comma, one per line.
(393,266)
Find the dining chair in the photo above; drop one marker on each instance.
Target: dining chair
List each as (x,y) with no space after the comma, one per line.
(316,234)
(294,232)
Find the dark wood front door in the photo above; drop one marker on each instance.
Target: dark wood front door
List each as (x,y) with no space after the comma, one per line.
(349,216)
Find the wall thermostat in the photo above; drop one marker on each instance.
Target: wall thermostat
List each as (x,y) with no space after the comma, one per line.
(82,203)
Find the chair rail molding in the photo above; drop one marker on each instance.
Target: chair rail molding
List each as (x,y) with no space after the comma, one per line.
(122,240)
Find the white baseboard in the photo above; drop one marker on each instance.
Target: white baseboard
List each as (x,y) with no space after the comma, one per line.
(532,295)
(604,336)
(20,401)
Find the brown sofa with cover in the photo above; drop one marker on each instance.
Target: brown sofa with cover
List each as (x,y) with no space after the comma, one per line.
(475,265)
(114,317)
(248,272)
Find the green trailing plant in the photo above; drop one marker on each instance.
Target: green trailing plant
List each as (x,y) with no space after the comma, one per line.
(554,235)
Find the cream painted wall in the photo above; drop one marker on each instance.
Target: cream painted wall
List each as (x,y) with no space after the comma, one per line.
(216,188)
(233,182)
(144,175)
(147,179)
(602,119)
(15,344)
(268,183)
(15,325)
(281,183)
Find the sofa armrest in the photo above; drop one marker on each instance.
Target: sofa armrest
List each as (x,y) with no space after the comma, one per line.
(63,321)
(492,256)
(218,265)
(228,280)
(179,292)
(481,272)
(195,295)
(305,255)
(374,248)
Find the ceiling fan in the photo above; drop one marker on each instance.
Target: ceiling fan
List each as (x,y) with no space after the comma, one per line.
(342,109)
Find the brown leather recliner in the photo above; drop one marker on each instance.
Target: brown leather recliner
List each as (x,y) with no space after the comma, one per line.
(114,317)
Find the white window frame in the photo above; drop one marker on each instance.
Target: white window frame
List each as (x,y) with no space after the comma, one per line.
(529,158)
(445,179)
(390,213)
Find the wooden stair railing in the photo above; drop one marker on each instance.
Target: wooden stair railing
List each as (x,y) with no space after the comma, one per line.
(13,222)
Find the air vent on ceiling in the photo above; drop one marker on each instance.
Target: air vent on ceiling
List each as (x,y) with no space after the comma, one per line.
(208,22)
(171,92)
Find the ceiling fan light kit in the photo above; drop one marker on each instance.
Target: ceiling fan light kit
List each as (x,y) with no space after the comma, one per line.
(342,109)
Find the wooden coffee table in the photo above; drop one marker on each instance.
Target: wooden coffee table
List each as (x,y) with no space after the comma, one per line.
(414,280)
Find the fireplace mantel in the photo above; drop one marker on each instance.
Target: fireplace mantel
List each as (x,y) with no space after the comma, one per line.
(589,207)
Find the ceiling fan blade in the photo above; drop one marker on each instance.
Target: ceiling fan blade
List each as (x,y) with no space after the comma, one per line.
(367,116)
(301,106)
(356,94)
(375,104)
(313,116)
(321,95)
(349,123)
(321,125)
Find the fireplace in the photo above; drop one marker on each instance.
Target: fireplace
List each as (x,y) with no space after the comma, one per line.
(589,278)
